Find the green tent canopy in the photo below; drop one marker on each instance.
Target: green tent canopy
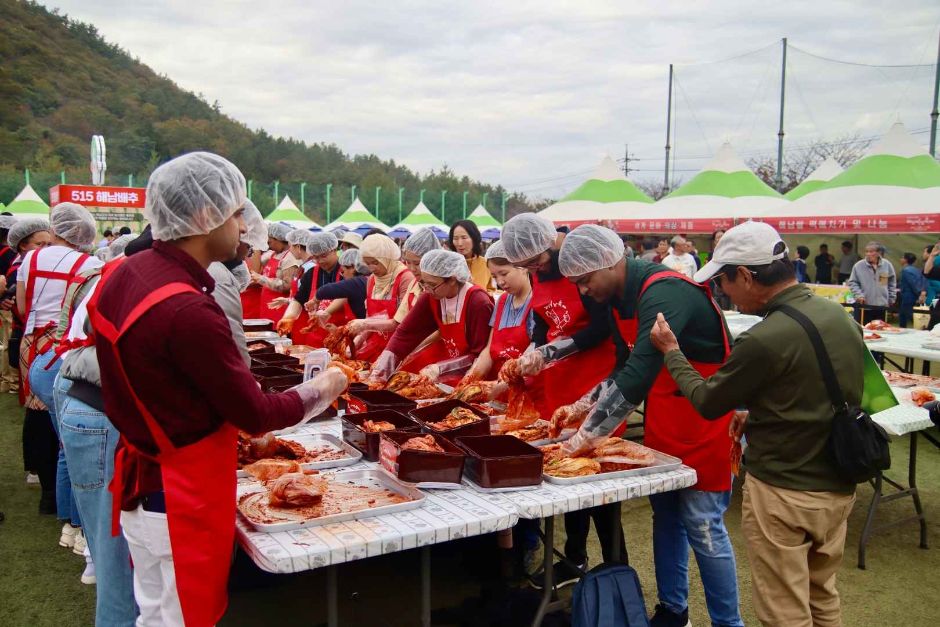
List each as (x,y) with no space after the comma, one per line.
(287,212)
(355,217)
(482,218)
(420,216)
(28,203)
(826,171)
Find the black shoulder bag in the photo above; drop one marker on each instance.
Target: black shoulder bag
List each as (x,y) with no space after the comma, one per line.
(859,446)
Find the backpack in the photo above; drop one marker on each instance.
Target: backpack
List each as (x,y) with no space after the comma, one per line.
(609,595)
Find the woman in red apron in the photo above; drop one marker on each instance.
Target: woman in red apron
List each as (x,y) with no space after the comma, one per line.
(277,274)
(452,305)
(386,289)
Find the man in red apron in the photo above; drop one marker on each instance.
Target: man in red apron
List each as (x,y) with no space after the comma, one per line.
(635,292)
(175,387)
(574,353)
(276,276)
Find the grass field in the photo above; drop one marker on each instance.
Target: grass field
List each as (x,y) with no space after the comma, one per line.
(39,581)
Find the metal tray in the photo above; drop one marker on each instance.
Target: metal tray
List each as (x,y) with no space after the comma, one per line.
(256,322)
(260,335)
(479,488)
(564,435)
(372,478)
(663,463)
(311,440)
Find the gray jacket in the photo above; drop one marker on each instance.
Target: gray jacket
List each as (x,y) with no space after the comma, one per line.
(227,294)
(878,286)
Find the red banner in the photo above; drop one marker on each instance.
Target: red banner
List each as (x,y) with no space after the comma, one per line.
(904,223)
(661,227)
(95,196)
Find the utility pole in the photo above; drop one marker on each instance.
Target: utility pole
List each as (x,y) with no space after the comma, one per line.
(935,112)
(627,159)
(668,132)
(421,196)
(352,194)
(503,206)
(378,189)
(485,194)
(302,186)
(465,204)
(250,182)
(783,90)
(277,185)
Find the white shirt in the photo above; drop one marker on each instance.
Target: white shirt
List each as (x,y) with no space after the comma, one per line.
(684,264)
(49,293)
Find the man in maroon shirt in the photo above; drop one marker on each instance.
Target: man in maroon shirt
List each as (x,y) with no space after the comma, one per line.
(177,389)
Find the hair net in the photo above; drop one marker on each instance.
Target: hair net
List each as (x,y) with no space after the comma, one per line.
(588,248)
(321,243)
(526,236)
(496,249)
(104,254)
(382,249)
(421,241)
(353,257)
(279,231)
(7,222)
(118,245)
(23,229)
(299,237)
(257,235)
(192,195)
(73,223)
(446,264)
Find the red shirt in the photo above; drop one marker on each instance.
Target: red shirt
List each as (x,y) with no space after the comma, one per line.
(181,361)
(420,323)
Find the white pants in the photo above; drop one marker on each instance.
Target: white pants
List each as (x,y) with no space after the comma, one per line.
(148,539)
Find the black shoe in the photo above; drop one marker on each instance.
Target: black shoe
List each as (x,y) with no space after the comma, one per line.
(563,575)
(664,617)
(47,503)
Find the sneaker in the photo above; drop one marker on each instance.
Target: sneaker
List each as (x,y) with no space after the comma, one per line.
(563,575)
(664,617)
(88,575)
(67,539)
(32,478)
(80,544)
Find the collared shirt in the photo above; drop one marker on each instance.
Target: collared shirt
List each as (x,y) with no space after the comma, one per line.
(182,363)
(878,285)
(773,371)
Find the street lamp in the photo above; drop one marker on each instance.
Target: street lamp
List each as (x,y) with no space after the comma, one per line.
(503,203)
(352,194)
(277,185)
(302,186)
(377,190)
(421,196)
(401,190)
(485,194)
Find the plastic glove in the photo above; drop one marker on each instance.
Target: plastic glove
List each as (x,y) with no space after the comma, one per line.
(312,305)
(321,318)
(449,365)
(355,327)
(383,368)
(531,363)
(568,415)
(319,392)
(277,303)
(558,349)
(581,443)
(256,278)
(607,413)
(285,326)
(431,373)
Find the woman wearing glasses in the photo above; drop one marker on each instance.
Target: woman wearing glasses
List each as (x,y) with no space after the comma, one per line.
(451,304)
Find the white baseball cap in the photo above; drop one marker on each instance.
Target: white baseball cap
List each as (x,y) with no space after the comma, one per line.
(747,244)
(353,239)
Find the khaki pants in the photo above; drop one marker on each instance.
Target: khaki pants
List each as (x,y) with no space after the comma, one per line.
(8,376)
(795,542)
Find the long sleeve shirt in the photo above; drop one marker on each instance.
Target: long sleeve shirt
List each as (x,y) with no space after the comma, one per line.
(878,285)
(181,361)
(590,336)
(420,323)
(228,296)
(306,289)
(353,290)
(913,282)
(773,371)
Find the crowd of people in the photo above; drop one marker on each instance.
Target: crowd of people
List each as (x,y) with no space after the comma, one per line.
(134,375)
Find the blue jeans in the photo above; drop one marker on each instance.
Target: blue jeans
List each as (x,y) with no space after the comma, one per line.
(42,382)
(694,517)
(89,440)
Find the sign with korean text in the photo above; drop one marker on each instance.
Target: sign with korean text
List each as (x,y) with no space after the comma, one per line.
(96,196)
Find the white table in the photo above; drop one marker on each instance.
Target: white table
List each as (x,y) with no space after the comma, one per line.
(910,345)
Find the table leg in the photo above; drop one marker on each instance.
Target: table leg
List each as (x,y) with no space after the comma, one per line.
(616,524)
(332,592)
(869,520)
(548,542)
(915,493)
(426,586)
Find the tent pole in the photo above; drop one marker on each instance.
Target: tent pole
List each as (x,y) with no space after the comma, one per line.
(783,89)
(668,132)
(302,186)
(935,112)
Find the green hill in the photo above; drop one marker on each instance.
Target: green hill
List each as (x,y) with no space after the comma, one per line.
(61,82)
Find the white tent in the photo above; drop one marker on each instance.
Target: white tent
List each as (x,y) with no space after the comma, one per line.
(827,170)
(356,217)
(288,213)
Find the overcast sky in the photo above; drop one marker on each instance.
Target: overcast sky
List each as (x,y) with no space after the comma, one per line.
(532,94)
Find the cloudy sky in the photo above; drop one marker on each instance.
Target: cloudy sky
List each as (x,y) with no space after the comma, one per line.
(533,94)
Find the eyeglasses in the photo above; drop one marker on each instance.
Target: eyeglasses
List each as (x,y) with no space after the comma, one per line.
(531,264)
(427,287)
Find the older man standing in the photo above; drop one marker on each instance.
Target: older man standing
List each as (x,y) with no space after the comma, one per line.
(874,284)
(680,259)
(795,504)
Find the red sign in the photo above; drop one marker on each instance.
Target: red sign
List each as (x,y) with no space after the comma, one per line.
(661,227)
(904,223)
(96,196)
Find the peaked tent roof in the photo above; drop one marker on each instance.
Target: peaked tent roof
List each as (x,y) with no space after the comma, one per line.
(421,216)
(827,170)
(894,188)
(287,212)
(356,216)
(28,202)
(483,219)
(724,191)
(605,197)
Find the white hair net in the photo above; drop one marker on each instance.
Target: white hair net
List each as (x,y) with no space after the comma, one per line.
(7,221)
(104,254)
(589,248)
(119,244)
(257,230)
(73,223)
(321,243)
(192,195)
(446,264)
(279,231)
(526,236)
(421,242)
(496,249)
(299,237)
(23,229)
(353,257)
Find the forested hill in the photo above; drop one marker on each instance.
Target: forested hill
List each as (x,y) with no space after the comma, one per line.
(61,82)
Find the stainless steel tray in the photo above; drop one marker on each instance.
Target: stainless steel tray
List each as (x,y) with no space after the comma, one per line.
(663,463)
(260,335)
(371,478)
(256,322)
(564,435)
(311,440)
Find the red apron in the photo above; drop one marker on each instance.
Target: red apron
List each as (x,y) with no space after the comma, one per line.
(558,303)
(509,342)
(198,483)
(251,301)
(375,342)
(34,273)
(672,424)
(316,335)
(267,295)
(304,318)
(453,343)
